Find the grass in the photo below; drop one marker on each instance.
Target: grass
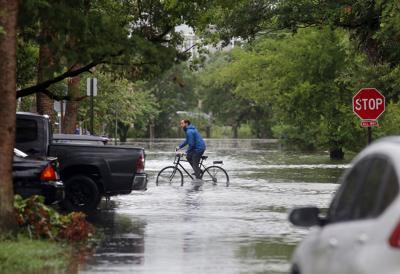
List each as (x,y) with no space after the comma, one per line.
(221,132)
(23,255)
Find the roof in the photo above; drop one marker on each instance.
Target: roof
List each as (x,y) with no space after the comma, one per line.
(389,139)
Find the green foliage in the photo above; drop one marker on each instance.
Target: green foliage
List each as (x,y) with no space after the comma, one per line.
(27,58)
(26,103)
(136,39)
(309,100)
(381,76)
(225,88)
(389,124)
(286,79)
(119,99)
(133,41)
(300,86)
(240,18)
(303,71)
(174,91)
(42,222)
(372,25)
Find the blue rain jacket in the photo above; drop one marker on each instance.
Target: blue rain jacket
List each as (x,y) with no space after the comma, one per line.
(193,140)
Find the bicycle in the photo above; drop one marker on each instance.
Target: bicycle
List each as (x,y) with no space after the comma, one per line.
(174,176)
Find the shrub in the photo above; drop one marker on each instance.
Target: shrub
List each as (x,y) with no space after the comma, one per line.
(42,222)
(76,228)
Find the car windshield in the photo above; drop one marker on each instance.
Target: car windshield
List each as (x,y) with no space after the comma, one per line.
(19,153)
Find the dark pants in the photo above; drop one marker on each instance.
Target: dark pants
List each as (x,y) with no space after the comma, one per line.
(194,160)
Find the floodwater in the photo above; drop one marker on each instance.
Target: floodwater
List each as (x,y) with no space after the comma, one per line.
(242,228)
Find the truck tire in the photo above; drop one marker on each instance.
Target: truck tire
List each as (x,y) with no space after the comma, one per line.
(81,194)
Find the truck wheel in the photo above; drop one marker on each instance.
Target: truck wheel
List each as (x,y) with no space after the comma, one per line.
(81,194)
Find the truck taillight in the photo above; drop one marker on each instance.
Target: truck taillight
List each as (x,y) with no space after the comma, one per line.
(48,174)
(140,164)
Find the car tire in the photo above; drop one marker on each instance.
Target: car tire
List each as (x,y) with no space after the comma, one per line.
(81,194)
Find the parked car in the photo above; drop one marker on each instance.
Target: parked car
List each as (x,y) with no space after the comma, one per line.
(89,171)
(361,230)
(37,177)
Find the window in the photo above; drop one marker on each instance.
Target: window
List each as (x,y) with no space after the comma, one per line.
(340,209)
(368,196)
(390,190)
(367,190)
(26,131)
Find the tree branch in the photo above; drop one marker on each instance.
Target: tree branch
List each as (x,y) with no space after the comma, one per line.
(189,48)
(131,64)
(159,38)
(41,87)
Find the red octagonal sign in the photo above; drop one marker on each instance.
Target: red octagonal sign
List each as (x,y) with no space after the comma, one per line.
(368,103)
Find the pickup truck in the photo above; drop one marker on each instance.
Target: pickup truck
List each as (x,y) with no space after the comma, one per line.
(89,172)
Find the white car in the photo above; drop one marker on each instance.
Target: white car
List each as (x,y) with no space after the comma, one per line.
(360,233)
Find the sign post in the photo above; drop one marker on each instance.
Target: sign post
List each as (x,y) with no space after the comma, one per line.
(91,90)
(368,105)
(60,107)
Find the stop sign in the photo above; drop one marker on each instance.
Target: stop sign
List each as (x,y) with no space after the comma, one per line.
(368,103)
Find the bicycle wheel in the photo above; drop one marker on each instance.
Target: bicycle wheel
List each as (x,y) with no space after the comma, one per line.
(216,175)
(169,175)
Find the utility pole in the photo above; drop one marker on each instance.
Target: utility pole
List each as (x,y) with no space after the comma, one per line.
(116,127)
(61,116)
(91,107)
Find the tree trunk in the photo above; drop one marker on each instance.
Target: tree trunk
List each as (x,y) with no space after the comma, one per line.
(152,130)
(44,105)
(71,112)
(336,154)
(371,48)
(235,131)
(8,21)
(208,131)
(123,131)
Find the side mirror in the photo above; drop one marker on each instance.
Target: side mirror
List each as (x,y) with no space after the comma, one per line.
(305,216)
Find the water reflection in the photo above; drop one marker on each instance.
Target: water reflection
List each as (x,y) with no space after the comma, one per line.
(264,256)
(122,246)
(242,228)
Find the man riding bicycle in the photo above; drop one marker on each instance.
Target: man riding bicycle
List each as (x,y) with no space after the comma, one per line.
(196,146)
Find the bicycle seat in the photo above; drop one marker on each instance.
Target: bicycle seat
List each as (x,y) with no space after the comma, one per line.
(204,157)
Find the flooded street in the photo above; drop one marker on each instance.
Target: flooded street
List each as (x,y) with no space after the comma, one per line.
(242,228)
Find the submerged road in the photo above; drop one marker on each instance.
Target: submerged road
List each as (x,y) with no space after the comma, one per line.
(242,228)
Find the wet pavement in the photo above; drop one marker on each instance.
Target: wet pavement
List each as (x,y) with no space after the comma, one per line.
(242,228)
